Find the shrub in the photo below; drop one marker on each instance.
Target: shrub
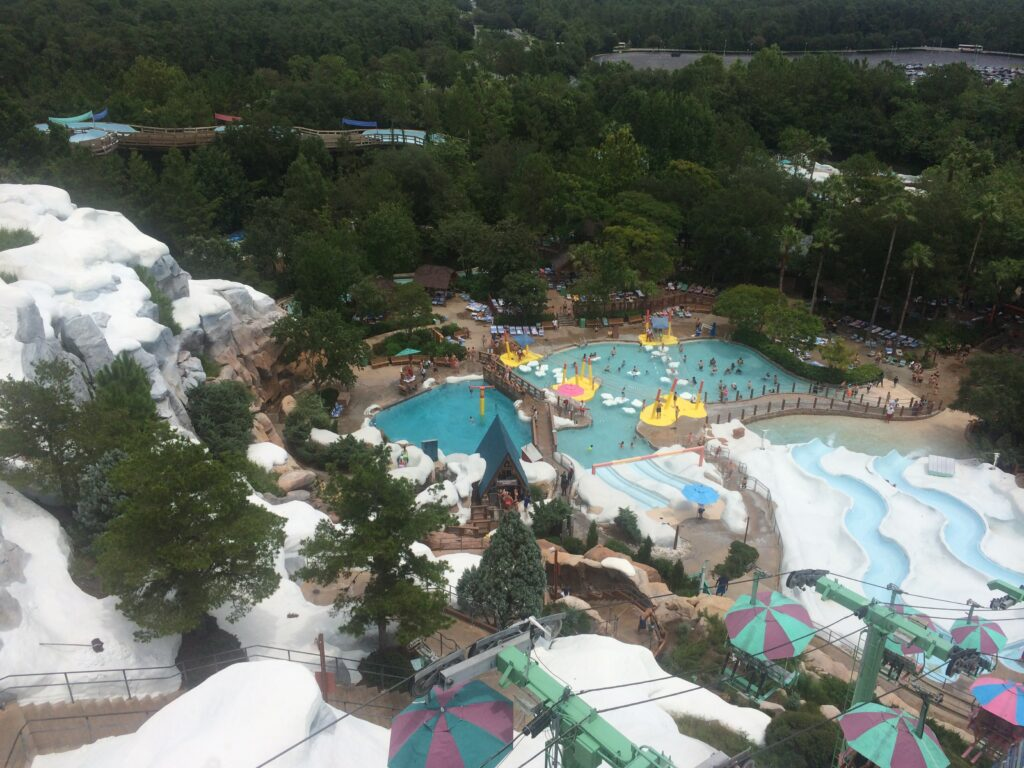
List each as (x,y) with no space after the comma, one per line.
(15,238)
(423,339)
(698,653)
(549,517)
(309,412)
(811,749)
(626,522)
(592,535)
(571,544)
(574,623)
(98,497)
(221,416)
(163,302)
(384,668)
(643,554)
(739,560)
(710,732)
(826,689)
(342,455)
(862,374)
(619,546)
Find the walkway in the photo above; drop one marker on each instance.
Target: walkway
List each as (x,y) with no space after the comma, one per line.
(147,137)
(830,402)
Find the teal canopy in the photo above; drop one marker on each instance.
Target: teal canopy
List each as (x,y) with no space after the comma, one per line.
(406,352)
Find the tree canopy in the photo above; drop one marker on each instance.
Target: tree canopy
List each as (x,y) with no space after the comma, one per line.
(186,540)
(379,521)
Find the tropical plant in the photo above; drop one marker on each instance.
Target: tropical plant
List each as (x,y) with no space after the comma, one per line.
(917,256)
(896,210)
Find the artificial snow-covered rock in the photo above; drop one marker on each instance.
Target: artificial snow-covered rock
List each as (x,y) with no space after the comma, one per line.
(323,436)
(267,455)
(79,296)
(39,603)
(241,716)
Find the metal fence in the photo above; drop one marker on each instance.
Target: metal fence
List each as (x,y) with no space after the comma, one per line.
(134,681)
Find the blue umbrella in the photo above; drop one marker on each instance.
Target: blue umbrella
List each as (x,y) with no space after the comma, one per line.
(523,340)
(700,493)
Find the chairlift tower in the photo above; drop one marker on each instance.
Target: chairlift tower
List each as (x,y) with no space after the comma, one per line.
(881,621)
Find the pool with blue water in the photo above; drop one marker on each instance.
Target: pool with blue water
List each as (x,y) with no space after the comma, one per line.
(450,414)
(637,373)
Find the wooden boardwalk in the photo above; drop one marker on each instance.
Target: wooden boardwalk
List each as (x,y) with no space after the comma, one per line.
(153,138)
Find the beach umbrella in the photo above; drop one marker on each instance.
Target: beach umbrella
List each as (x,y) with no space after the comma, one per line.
(769,627)
(406,352)
(522,340)
(468,725)
(890,738)
(909,649)
(570,390)
(977,634)
(700,493)
(1003,698)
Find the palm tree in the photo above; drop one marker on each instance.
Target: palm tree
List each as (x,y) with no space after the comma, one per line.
(987,208)
(897,210)
(825,242)
(917,256)
(790,241)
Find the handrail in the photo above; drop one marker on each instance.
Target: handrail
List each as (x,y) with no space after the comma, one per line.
(122,678)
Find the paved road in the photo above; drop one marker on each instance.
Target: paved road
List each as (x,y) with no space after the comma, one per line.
(647,59)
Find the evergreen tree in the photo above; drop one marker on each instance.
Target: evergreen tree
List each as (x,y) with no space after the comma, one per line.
(510,581)
(186,540)
(643,554)
(98,496)
(592,535)
(220,413)
(124,386)
(379,521)
(38,421)
(549,517)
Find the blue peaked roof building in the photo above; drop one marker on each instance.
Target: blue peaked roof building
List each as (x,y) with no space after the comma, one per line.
(504,470)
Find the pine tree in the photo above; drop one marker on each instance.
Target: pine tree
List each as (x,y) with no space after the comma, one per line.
(124,386)
(592,535)
(38,421)
(510,581)
(186,540)
(379,521)
(643,554)
(221,416)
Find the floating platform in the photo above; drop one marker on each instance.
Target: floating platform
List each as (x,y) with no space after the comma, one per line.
(657,340)
(581,388)
(515,359)
(673,408)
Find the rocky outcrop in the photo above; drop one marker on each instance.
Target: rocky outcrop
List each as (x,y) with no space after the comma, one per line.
(78,296)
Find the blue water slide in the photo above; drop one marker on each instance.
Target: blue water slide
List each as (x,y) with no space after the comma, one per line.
(964,528)
(653,471)
(887,561)
(620,482)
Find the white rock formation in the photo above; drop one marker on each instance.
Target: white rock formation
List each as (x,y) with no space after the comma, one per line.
(77,297)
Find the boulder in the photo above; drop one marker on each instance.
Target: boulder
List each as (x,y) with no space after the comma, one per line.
(671,609)
(298,496)
(288,404)
(83,338)
(771,708)
(829,711)
(712,605)
(10,612)
(296,480)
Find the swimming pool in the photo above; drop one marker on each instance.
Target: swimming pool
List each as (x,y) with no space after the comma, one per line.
(450,414)
(636,373)
(942,434)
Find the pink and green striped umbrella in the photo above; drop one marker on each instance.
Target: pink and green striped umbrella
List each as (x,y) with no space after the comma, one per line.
(770,627)
(888,738)
(1003,698)
(466,726)
(977,634)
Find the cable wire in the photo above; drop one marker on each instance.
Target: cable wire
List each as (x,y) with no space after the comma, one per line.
(334,722)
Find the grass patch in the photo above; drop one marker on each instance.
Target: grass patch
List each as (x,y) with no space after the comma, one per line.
(717,735)
(15,238)
(163,302)
(210,366)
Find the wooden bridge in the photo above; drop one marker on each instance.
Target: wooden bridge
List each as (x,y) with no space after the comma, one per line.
(152,138)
